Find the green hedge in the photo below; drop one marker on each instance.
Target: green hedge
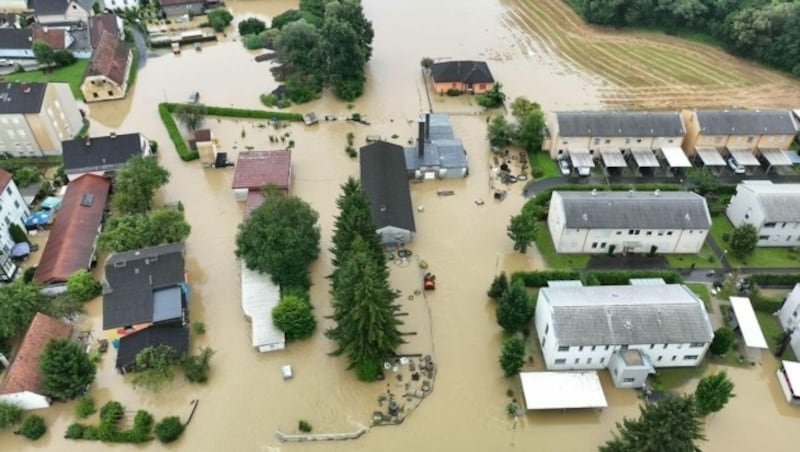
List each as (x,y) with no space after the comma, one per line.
(165,112)
(768,305)
(622,277)
(539,279)
(257,114)
(774,279)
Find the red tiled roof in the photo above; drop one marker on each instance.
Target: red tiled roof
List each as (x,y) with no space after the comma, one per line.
(202,135)
(254,199)
(256,169)
(23,374)
(110,58)
(71,243)
(100,23)
(54,37)
(5,178)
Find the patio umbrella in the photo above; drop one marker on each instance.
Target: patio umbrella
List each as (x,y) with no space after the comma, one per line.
(21,249)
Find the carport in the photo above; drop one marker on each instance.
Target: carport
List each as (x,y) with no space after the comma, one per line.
(675,157)
(744,157)
(581,159)
(710,156)
(776,157)
(745,319)
(645,158)
(613,158)
(562,390)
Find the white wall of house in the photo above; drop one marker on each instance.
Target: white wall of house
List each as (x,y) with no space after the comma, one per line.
(240,194)
(16,53)
(745,208)
(26,400)
(598,356)
(789,313)
(12,210)
(16,136)
(13,5)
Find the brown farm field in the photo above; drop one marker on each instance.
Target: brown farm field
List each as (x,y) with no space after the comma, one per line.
(640,69)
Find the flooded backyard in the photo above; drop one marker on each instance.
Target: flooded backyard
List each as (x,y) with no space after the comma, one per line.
(464,244)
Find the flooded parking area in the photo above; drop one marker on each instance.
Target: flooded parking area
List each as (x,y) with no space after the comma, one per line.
(463,242)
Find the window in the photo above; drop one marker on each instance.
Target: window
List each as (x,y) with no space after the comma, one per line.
(94,95)
(649,232)
(763,237)
(580,349)
(674,357)
(749,139)
(783,225)
(690,357)
(616,371)
(16,204)
(8,221)
(602,360)
(577,360)
(659,358)
(652,346)
(608,141)
(594,245)
(636,232)
(628,380)
(607,347)
(561,361)
(110,93)
(8,189)
(588,360)
(603,245)
(665,346)
(696,345)
(563,348)
(638,140)
(624,347)
(481,86)
(670,140)
(597,141)
(595,347)
(630,231)
(547,329)
(669,232)
(544,341)
(619,232)
(769,225)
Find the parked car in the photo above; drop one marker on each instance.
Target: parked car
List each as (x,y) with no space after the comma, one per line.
(565,167)
(735,166)
(584,171)
(5,62)
(194,96)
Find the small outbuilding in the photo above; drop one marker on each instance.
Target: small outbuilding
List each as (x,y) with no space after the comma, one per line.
(789,379)
(383,179)
(256,169)
(562,390)
(630,368)
(744,318)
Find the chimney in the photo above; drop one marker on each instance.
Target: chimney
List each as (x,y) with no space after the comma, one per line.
(421,138)
(112,135)
(657,192)
(427,126)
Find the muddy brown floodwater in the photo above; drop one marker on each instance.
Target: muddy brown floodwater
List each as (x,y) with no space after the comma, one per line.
(464,244)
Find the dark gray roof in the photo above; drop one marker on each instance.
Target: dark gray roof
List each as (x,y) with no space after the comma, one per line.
(385,182)
(48,7)
(634,210)
(746,122)
(130,345)
(461,71)
(132,280)
(442,149)
(15,100)
(619,124)
(16,38)
(100,153)
(620,315)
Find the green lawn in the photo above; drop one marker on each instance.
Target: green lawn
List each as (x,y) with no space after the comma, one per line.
(701,290)
(704,259)
(763,256)
(772,329)
(555,260)
(71,74)
(543,162)
(670,378)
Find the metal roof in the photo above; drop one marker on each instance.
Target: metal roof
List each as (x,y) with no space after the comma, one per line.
(259,296)
(385,182)
(21,98)
(746,122)
(744,156)
(776,157)
(440,150)
(562,390)
(780,202)
(645,158)
(620,315)
(676,157)
(100,153)
(710,156)
(792,371)
(748,323)
(633,210)
(613,158)
(581,159)
(619,124)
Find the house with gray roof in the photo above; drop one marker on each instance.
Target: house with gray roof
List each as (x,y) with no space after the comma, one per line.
(774,209)
(384,181)
(608,222)
(61,12)
(463,75)
(583,135)
(583,327)
(16,43)
(438,153)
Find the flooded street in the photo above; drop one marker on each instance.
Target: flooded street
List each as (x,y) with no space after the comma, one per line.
(465,244)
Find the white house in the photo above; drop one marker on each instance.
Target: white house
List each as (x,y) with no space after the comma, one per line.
(21,384)
(13,210)
(620,222)
(789,315)
(774,209)
(581,328)
(259,296)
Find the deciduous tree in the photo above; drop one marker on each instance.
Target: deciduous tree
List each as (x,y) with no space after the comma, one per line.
(295,317)
(19,302)
(66,369)
(191,115)
(82,286)
(280,238)
(522,230)
(136,184)
(723,341)
(500,132)
(251,26)
(744,240)
(499,286)
(512,358)
(219,18)
(131,232)
(10,414)
(493,98)
(155,367)
(515,308)
(43,53)
(713,392)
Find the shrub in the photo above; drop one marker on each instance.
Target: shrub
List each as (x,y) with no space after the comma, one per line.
(304,426)
(368,370)
(426,62)
(723,341)
(773,279)
(33,428)
(512,358)
(295,317)
(75,431)
(452,92)
(252,42)
(199,327)
(28,275)
(111,413)
(251,26)
(10,414)
(85,407)
(540,278)
(196,367)
(169,429)
(498,287)
(621,277)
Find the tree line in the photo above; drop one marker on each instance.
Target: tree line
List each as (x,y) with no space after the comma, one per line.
(765,30)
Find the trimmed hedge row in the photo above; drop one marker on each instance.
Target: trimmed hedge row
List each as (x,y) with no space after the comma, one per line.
(540,278)
(774,279)
(257,114)
(768,305)
(621,277)
(165,112)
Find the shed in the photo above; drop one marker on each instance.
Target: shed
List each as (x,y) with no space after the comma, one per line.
(789,379)
(746,321)
(259,296)
(562,390)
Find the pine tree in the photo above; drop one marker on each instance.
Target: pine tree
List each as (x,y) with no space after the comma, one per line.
(365,314)
(355,219)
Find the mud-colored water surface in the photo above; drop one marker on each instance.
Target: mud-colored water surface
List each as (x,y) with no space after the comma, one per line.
(464,244)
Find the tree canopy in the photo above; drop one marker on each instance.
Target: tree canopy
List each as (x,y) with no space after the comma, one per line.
(131,232)
(515,308)
(191,115)
(219,18)
(744,240)
(512,358)
(280,238)
(530,123)
(135,184)
(295,317)
(66,369)
(670,425)
(724,338)
(82,286)
(251,26)
(19,302)
(713,392)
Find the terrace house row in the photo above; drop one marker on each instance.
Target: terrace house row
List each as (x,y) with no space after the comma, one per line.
(607,222)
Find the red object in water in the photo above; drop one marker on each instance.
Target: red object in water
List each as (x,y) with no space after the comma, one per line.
(429,281)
